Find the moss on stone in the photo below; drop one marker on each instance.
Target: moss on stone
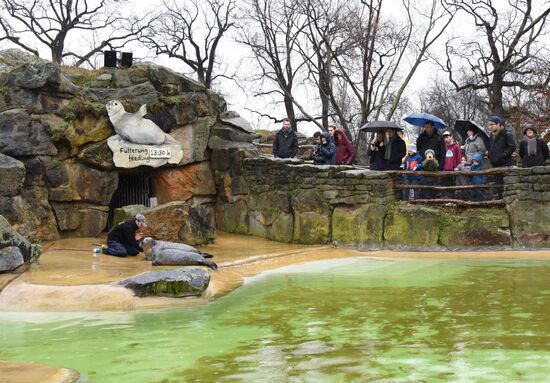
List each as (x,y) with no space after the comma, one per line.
(282,229)
(311,228)
(475,228)
(57,132)
(80,76)
(412,226)
(361,226)
(79,108)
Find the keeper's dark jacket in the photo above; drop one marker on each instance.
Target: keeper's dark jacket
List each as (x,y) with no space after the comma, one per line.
(285,144)
(501,149)
(125,234)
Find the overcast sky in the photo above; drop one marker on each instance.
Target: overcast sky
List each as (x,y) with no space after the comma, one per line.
(234,59)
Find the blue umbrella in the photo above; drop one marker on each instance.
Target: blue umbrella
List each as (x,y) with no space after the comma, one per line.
(419,119)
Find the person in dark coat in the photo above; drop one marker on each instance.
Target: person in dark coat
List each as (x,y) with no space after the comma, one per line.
(376,152)
(124,239)
(396,149)
(431,139)
(285,144)
(327,149)
(532,150)
(345,152)
(502,144)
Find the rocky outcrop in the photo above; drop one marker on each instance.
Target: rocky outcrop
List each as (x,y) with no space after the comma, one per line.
(183,183)
(177,283)
(10,259)
(175,221)
(58,168)
(9,237)
(181,222)
(12,174)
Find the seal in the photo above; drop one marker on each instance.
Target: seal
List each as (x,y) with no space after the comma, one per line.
(177,257)
(132,127)
(147,244)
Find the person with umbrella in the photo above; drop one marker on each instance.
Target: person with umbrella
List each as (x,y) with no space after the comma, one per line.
(532,150)
(431,139)
(474,143)
(502,144)
(395,150)
(377,150)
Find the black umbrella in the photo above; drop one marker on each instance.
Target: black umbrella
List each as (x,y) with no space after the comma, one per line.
(462,126)
(377,126)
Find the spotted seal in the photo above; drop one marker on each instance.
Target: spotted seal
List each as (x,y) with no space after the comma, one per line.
(133,127)
(147,244)
(176,257)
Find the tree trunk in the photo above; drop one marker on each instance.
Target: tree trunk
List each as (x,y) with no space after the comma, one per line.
(495,94)
(289,106)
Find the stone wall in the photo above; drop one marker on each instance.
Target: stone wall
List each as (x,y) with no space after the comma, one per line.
(527,196)
(292,201)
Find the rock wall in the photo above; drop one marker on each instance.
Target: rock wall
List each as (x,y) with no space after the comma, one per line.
(57,170)
(291,201)
(527,196)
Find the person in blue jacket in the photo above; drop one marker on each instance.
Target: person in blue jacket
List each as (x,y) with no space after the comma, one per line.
(412,162)
(477,164)
(327,149)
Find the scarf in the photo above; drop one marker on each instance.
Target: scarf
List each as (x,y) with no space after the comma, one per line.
(531,145)
(387,154)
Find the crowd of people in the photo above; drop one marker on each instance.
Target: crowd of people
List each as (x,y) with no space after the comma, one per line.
(433,151)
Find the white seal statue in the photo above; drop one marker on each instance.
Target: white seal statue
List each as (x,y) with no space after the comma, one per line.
(133,127)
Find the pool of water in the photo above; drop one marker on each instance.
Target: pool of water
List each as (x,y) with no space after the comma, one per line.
(348,320)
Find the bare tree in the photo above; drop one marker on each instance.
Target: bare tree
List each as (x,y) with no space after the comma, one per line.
(192,33)
(51,22)
(441,98)
(273,32)
(504,51)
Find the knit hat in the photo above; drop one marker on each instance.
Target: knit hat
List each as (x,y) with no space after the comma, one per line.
(141,218)
(428,152)
(446,133)
(411,148)
(495,119)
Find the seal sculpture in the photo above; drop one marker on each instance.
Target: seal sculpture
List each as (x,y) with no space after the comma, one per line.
(148,243)
(133,127)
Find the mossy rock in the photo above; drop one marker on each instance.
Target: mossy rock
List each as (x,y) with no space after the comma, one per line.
(177,283)
(309,200)
(475,228)
(282,229)
(311,228)
(80,76)
(268,206)
(361,226)
(530,224)
(412,226)
(235,217)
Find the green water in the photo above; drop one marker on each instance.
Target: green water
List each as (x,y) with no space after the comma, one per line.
(353,320)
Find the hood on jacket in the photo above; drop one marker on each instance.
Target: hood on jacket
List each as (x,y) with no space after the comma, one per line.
(478,157)
(342,134)
(327,136)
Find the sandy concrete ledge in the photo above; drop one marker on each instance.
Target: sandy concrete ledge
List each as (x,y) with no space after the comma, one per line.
(13,372)
(71,278)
